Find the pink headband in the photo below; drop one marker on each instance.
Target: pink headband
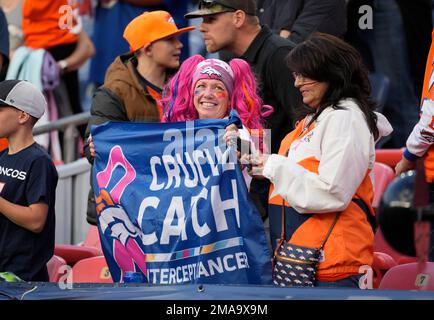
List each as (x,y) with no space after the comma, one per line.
(214,69)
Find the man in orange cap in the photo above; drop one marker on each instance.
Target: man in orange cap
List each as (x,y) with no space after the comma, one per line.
(134,81)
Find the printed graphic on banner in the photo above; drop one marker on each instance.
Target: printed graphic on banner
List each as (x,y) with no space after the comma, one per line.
(172,204)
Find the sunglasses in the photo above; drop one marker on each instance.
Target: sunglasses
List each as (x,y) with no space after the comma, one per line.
(209,3)
(304,79)
(298,75)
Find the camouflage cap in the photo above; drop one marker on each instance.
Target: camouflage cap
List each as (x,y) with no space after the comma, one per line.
(208,7)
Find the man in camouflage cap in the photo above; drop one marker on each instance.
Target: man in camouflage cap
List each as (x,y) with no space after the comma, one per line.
(207,7)
(233,25)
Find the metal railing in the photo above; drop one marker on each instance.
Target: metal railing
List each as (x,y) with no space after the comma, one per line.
(71,201)
(70,133)
(73,186)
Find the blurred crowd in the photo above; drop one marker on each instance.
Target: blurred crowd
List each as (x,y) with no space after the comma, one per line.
(393,38)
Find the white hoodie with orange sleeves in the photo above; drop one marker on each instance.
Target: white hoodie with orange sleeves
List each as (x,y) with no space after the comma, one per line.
(345,149)
(421,139)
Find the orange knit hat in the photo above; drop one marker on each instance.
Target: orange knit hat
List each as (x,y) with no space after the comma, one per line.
(150,27)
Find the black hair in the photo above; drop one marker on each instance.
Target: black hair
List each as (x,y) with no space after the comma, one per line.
(326,58)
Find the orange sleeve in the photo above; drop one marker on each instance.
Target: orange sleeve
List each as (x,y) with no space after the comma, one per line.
(3,143)
(48,23)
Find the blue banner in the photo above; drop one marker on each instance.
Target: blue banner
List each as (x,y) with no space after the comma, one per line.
(172,204)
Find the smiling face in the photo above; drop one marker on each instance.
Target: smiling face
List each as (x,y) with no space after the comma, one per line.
(312,91)
(211,99)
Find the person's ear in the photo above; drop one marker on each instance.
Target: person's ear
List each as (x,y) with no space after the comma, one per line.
(147,50)
(23,117)
(239,18)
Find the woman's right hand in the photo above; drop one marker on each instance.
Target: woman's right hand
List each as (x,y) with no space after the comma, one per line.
(231,135)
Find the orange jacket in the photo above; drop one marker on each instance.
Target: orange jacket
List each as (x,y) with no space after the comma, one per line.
(420,141)
(428,93)
(350,245)
(48,23)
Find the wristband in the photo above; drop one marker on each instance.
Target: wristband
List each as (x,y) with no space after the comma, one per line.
(63,64)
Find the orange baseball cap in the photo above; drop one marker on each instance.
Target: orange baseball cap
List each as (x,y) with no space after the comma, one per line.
(151,26)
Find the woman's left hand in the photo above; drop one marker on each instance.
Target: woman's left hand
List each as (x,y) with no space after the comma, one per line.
(91,146)
(257,164)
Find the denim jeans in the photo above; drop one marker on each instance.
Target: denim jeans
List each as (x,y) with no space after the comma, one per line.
(390,57)
(384,50)
(350,282)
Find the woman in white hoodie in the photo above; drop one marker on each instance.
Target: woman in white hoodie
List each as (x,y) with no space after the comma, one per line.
(325,165)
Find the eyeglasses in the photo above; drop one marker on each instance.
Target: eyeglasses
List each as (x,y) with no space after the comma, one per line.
(210,3)
(298,75)
(301,77)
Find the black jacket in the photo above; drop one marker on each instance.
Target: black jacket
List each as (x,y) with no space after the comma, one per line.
(4,45)
(266,55)
(302,17)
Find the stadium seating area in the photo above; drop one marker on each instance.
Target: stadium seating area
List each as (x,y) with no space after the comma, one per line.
(91,247)
(86,259)
(391,269)
(383,176)
(56,268)
(93,270)
(409,276)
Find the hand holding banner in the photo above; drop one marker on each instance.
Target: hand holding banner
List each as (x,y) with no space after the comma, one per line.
(172,203)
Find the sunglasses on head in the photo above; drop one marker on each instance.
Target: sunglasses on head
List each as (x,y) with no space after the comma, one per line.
(210,3)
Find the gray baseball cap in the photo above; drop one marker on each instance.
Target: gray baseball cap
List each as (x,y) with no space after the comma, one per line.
(208,7)
(24,96)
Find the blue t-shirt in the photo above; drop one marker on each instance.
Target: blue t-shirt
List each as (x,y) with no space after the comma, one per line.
(26,178)
(4,44)
(109,26)
(4,35)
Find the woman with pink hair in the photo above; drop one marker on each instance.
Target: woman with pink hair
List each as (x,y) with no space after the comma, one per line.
(211,88)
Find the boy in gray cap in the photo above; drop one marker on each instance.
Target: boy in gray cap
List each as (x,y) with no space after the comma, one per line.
(28,180)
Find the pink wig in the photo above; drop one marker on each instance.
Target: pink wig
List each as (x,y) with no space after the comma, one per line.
(177,98)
